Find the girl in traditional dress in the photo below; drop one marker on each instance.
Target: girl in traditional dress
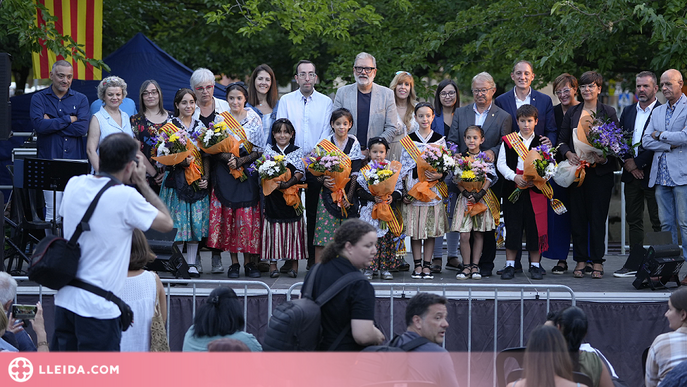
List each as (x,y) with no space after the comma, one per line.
(385,258)
(424,220)
(187,204)
(329,213)
(283,227)
(235,220)
(475,225)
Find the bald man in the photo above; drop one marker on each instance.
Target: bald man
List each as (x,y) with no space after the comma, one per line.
(666,135)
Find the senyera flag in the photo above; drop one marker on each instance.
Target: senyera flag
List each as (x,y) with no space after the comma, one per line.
(83,21)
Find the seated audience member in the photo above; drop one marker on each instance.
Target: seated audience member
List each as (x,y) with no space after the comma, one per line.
(669,349)
(221,316)
(228,345)
(142,291)
(426,317)
(546,362)
(677,377)
(4,322)
(572,322)
(15,335)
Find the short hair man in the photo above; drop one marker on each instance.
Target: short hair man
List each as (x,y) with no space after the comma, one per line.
(496,123)
(637,167)
(373,106)
(666,135)
(60,117)
(310,112)
(426,317)
(83,320)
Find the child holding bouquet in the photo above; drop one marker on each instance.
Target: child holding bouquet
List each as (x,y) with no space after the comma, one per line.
(338,176)
(283,235)
(187,200)
(425,162)
(380,184)
(474,213)
(526,208)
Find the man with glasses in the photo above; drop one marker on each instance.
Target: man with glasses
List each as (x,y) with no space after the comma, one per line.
(496,123)
(523,94)
(636,167)
(60,119)
(666,136)
(373,106)
(309,111)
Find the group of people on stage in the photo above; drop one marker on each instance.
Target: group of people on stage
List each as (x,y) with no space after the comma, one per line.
(217,198)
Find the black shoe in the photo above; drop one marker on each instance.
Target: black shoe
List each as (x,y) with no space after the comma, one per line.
(451,264)
(435,268)
(263,267)
(485,273)
(233,271)
(251,270)
(508,273)
(516,270)
(624,273)
(405,266)
(558,269)
(536,273)
(286,267)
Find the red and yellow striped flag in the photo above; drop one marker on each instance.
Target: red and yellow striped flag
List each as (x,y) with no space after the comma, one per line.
(83,21)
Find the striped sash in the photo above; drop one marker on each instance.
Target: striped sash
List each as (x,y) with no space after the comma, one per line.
(330,147)
(237,129)
(414,152)
(169,128)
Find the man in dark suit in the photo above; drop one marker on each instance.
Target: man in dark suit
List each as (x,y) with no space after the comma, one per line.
(637,165)
(523,94)
(496,123)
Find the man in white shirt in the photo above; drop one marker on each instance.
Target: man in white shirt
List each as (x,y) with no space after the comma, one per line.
(310,112)
(83,320)
(636,168)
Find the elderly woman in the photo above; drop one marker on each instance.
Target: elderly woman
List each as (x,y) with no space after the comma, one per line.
(203,84)
(220,317)
(589,202)
(403,86)
(146,125)
(109,119)
(263,96)
(235,218)
(667,350)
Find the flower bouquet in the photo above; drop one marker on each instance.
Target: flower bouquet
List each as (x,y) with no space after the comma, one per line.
(272,170)
(218,138)
(471,173)
(434,158)
(321,162)
(174,149)
(381,180)
(539,167)
(609,138)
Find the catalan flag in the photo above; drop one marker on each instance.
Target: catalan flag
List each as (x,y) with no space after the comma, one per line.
(83,21)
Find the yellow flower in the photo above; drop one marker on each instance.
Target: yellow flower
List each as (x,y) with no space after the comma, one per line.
(385,173)
(174,137)
(279,158)
(467,175)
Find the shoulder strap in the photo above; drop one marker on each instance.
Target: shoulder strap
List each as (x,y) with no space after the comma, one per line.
(108,295)
(307,287)
(338,286)
(83,225)
(414,343)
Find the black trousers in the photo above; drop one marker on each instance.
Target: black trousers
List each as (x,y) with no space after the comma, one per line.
(588,212)
(635,196)
(84,334)
(312,197)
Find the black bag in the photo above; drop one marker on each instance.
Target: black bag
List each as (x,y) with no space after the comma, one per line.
(393,346)
(295,325)
(55,261)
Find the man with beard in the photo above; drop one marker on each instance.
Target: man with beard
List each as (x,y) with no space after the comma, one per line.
(373,106)
(637,165)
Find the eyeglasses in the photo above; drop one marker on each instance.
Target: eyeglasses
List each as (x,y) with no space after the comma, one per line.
(446,94)
(365,70)
(590,86)
(563,92)
(152,93)
(206,88)
(310,75)
(481,91)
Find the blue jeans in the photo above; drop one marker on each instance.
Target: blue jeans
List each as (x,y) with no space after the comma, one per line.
(672,206)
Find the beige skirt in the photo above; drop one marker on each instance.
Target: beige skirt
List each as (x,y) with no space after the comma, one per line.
(423,222)
(465,223)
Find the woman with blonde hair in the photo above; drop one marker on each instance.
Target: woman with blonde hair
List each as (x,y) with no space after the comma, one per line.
(403,86)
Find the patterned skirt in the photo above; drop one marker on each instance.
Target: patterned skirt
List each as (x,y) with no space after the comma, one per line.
(325,225)
(283,240)
(463,222)
(423,222)
(236,230)
(385,259)
(190,219)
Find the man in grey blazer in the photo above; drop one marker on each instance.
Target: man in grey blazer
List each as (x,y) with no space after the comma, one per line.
(373,106)
(666,135)
(496,123)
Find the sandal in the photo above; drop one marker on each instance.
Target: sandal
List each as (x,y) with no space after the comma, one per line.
(598,274)
(453,263)
(428,267)
(588,268)
(415,274)
(579,272)
(560,268)
(435,267)
(465,274)
(475,272)
(274,274)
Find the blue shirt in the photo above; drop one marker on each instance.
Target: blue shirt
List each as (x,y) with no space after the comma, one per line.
(58,136)
(128,106)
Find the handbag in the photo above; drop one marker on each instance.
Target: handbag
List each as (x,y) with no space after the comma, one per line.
(158,333)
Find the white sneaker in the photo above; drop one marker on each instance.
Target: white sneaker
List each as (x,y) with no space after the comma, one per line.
(386,275)
(193,272)
(368,274)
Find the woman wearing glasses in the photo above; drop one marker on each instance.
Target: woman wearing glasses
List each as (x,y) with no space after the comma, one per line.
(203,85)
(235,220)
(146,125)
(446,101)
(590,201)
(403,86)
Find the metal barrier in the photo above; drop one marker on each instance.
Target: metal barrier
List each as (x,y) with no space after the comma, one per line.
(463,291)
